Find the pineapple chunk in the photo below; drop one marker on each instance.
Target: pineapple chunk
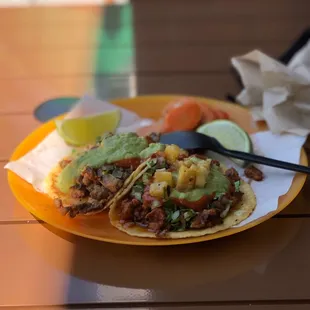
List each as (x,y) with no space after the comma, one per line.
(159,189)
(163,176)
(186,178)
(203,170)
(201,176)
(206,164)
(172,152)
(187,163)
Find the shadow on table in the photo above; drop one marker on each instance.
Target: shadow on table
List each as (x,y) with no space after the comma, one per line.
(177,267)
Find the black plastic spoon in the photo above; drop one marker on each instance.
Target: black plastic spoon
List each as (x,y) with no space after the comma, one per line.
(194,140)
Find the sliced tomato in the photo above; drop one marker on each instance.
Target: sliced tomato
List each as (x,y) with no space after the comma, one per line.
(156,127)
(208,114)
(220,114)
(176,103)
(198,205)
(184,114)
(128,162)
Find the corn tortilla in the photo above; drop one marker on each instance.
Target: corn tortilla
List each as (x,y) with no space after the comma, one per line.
(50,187)
(239,213)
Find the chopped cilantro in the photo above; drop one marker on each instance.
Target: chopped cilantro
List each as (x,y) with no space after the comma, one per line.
(218,195)
(175,216)
(151,163)
(178,218)
(237,186)
(137,191)
(146,177)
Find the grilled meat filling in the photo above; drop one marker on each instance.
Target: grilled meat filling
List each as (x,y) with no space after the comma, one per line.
(94,188)
(166,215)
(254,173)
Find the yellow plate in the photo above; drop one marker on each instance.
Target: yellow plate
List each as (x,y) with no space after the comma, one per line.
(98,226)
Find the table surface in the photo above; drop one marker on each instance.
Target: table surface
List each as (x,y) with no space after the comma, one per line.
(146,47)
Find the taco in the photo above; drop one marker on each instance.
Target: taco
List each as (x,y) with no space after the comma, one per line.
(89,181)
(173,198)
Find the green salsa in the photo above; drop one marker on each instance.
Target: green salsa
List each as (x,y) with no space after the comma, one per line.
(111,149)
(216,183)
(151,149)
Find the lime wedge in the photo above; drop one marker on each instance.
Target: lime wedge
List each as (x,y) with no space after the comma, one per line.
(84,130)
(230,135)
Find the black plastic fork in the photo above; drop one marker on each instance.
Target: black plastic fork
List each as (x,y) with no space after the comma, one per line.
(193,140)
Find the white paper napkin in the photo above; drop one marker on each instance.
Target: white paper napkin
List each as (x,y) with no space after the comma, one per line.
(277,182)
(35,165)
(276,93)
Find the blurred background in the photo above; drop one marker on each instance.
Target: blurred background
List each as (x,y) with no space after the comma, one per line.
(63,49)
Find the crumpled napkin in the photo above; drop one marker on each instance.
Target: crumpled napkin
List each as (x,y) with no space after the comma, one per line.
(276,93)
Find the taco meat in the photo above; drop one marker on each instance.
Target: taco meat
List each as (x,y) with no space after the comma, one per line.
(253,173)
(82,186)
(98,192)
(153,203)
(232,175)
(156,219)
(95,187)
(78,191)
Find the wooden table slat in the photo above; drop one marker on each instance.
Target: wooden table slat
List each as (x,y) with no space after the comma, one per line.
(50,15)
(17,127)
(59,269)
(219,31)
(212,10)
(192,58)
(204,306)
(45,63)
(42,36)
(24,95)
